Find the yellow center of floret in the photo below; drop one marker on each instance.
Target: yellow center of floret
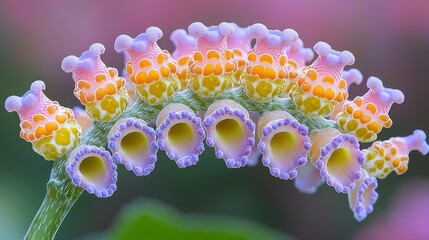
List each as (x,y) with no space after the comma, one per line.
(230,132)
(282,145)
(181,135)
(134,143)
(339,162)
(93,168)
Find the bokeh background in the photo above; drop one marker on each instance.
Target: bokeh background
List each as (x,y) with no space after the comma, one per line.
(390,40)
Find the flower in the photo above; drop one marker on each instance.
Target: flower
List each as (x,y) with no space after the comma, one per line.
(92,168)
(284,144)
(308,179)
(180,134)
(365,116)
(212,64)
(220,78)
(133,144)
(363,197)
(51,128)
(97,87)
(320,87)
(230,132)
(152,70)
(266,75)
(384,157)
(338,158)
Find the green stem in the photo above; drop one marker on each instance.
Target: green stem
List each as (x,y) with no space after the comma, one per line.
(62,194)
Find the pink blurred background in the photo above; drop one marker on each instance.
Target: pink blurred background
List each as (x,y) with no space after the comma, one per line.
(390,40)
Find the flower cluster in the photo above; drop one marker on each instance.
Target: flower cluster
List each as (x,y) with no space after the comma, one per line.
(247,102)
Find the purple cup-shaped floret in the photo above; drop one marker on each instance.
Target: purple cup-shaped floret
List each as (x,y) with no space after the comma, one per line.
(338,158)
(180,134)
(363,197)
(133,144)
(93,169)
(230,132)
(284,144)
(308,179)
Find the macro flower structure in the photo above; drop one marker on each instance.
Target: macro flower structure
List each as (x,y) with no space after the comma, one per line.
(265,101)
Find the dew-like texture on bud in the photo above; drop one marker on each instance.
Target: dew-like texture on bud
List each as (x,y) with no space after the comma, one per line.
(92,168)
(230,132)
(384,157)
(180,134)
(363,197)
(212,65)
(97,87)
(338,158)
(365,116)
(151,69)
(133,144)
(320,87)
(267,73)
(284,144)
(49,127)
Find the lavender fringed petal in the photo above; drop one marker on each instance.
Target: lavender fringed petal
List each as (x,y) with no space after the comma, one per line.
(308,179)
(133,144)
(93,169)
(180,134)
(284,144)
(338,158)
(341,180)
(363,197)
(230,131)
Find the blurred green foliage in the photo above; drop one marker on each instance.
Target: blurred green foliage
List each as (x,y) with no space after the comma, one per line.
(144,219)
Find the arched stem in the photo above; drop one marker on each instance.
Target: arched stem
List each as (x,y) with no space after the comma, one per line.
(62,194)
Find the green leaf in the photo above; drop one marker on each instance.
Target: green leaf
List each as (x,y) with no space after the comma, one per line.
(152,220)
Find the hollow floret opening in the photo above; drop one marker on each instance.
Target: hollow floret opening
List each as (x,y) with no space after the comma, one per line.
(282,145)
(134,144)
(181,135)
(230,133)
(339,164)
(93,168)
